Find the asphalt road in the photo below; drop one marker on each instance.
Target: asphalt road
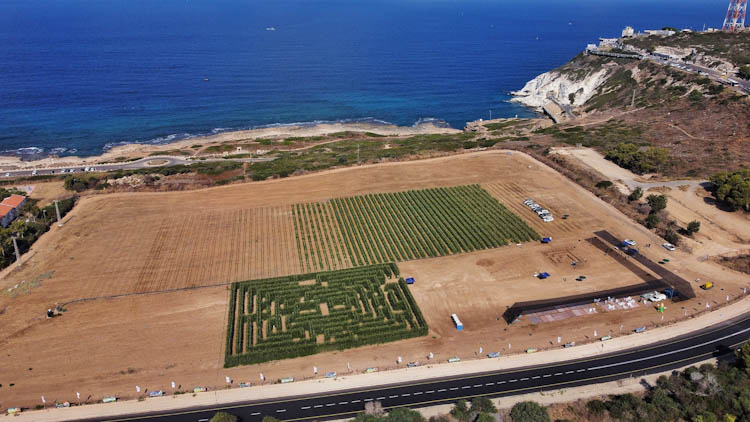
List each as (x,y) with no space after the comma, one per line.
(698,346)
(152,162)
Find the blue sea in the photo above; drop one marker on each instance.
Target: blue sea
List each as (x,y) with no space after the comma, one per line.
(80,76)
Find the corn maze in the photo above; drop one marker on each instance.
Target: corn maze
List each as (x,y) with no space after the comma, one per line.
(299,315)
(401,226)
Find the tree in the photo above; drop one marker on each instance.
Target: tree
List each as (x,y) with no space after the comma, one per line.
(693,227)
(652,220)
(483,405)
(657,202)
(596,407)
(460,411)
(672,237)
(744,72)
(485,417)
(227,417)
(604,184)
(743,357)
(695,96)
(733,189)
(636,194)
(402,414)
(529,411)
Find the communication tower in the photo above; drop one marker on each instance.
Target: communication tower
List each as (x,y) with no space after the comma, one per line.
(735,19)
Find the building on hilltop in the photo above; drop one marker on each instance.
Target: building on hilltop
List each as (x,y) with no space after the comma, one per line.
(9,209)
(628,32)
(660,32)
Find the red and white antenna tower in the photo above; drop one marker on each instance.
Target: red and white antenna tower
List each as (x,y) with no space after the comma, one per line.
(735,15)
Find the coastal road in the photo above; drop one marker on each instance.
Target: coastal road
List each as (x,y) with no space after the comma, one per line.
(673,353)
(147,162)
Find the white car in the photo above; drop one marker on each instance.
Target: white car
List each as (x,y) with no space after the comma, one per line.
(528,202)
(33,173)
(668,246)
(629,242)
(548,219)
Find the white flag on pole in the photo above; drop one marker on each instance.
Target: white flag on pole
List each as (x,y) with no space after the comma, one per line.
(137,388)
(480,350)
(348,367)
(43,400)
(315,369)
(78,395)
(172,384)
(228,380)
(595,333)
(262,378)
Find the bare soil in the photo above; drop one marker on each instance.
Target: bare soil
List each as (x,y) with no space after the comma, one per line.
(160,253)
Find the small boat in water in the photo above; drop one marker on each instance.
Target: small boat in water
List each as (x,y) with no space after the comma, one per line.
(271,28)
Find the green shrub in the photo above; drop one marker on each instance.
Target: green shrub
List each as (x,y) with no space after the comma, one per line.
(529,411)
(226,417)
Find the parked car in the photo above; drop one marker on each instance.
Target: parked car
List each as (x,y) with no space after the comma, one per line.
(669,246)
(629,242)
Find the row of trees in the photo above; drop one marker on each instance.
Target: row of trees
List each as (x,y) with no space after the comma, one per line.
(31,223)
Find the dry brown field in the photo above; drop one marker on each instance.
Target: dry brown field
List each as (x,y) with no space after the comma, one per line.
(159,262)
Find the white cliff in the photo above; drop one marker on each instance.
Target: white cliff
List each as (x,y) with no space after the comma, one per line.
(559,84)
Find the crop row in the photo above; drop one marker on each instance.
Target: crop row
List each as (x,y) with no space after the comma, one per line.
(424,223)
(298,315)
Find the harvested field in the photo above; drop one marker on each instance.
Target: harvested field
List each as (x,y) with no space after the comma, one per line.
(305,314)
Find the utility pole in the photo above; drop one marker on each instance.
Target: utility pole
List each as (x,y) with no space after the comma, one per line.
(57,210)
(18,253)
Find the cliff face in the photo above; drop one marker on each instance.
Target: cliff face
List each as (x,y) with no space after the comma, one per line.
(560,84)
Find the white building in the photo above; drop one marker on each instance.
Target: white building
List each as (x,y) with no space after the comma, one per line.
(628,32)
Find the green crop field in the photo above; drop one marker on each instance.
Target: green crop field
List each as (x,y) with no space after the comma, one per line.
(299,315)
(401,226)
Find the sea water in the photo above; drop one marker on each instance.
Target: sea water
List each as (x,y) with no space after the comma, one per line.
(80,76)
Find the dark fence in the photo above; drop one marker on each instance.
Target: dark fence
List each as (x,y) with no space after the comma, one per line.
(681,286)
(521,308)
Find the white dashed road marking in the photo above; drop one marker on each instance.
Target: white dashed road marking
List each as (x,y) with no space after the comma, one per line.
(417,393)
(490,383)
(356,401)
(305,407)
(393,396)
(441,390)
(281,410)
(430,391)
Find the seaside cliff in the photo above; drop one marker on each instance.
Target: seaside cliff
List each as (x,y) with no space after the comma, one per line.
(567,86)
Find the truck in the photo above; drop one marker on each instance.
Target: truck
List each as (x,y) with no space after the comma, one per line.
(707,286)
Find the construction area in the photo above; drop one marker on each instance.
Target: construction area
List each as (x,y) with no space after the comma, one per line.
(155,287)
